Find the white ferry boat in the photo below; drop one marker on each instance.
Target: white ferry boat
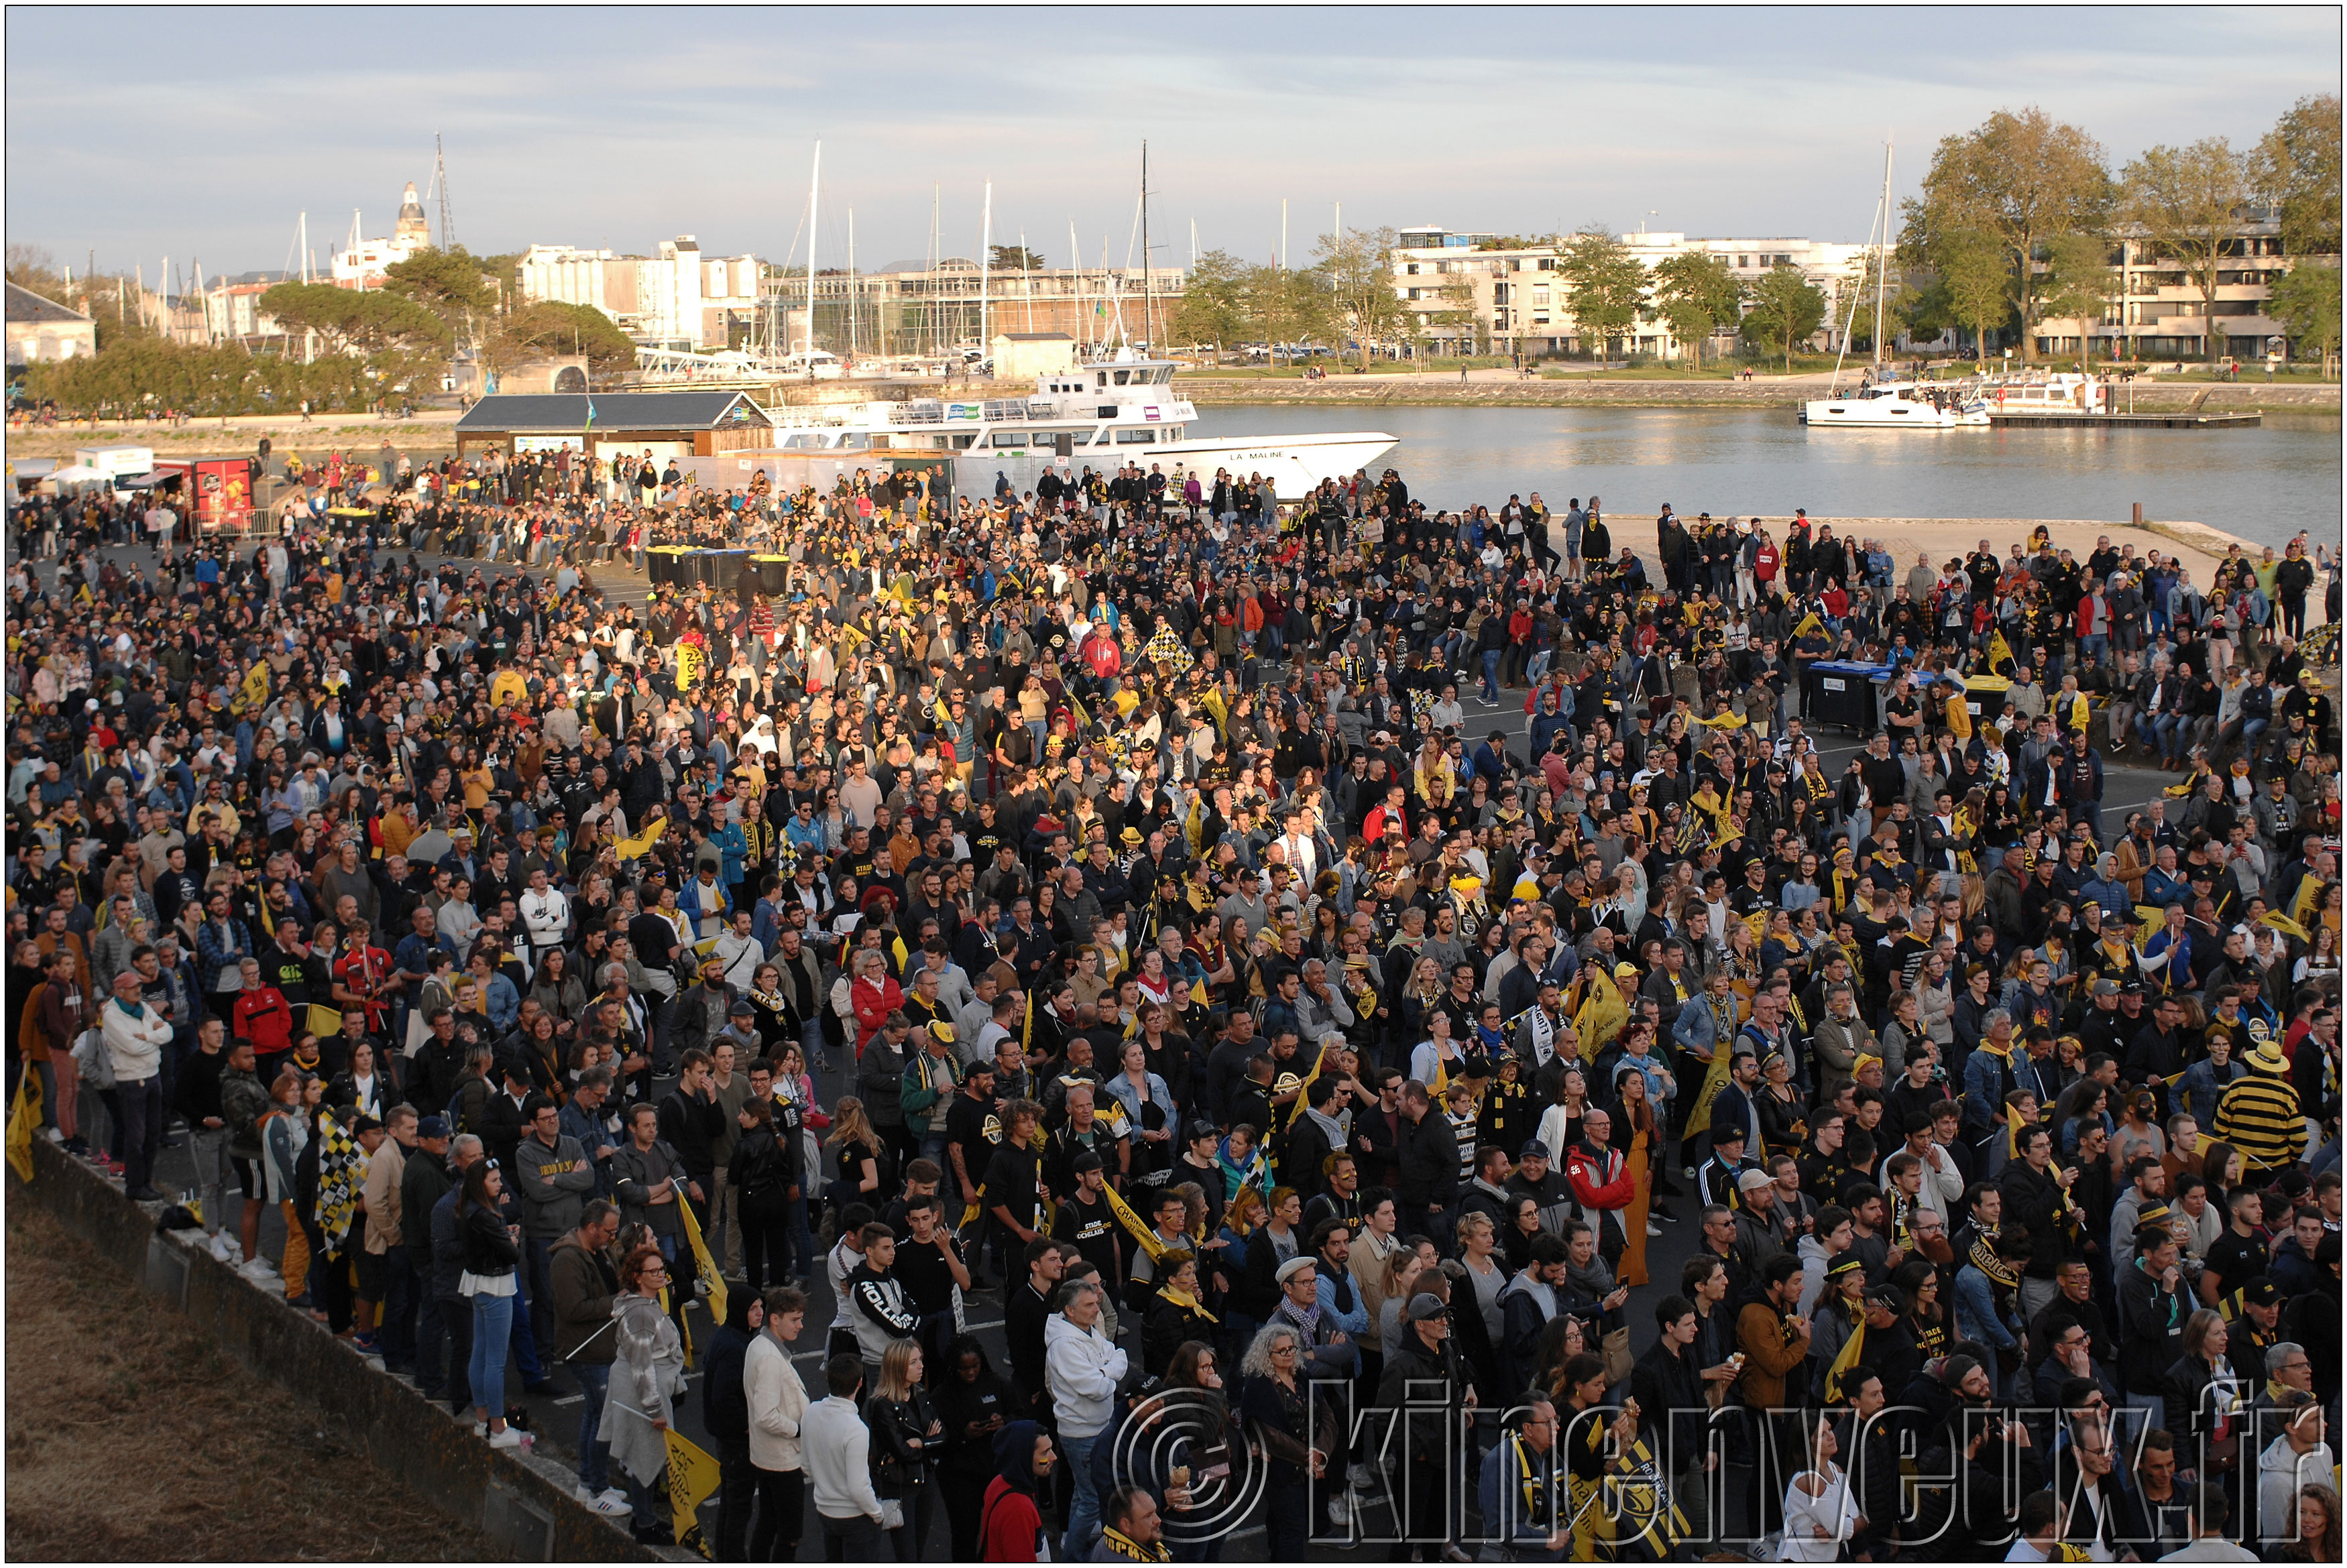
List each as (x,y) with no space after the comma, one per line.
(1101,414)
(1896,403)
(2045,392)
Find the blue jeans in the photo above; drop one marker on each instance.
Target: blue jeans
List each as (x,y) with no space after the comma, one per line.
(493,1319)
(1490,675)
(2092,646)
(594,1456)
(1084,1508)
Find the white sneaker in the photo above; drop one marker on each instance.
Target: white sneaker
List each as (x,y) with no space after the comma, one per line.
(613,1495)
(606,1506)
(509,1438)
(218,1246)
(54,1135)
(480,1429)
(261,1271)
(1340,1510)
(1653,1229)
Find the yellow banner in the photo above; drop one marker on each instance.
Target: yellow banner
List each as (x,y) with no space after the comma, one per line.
(704,1265)
(693,1476)
(23,1112)
(1149,1240)
(324,1022)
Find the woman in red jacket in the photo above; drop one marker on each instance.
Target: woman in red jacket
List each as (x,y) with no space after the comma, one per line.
(875,994)
(1010,1526)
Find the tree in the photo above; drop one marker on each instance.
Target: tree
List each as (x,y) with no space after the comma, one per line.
(1696,291)
(1214,303)
(348,321)
(1868,275)
(1786,309)
(2306,299)
(1604,284)
(1356,267)
(1975,285)
(2296,169)
(2080,281)
(1286,307)
(453,285)
(2018,178)
(2189,202)
(550,327)
(1015,259)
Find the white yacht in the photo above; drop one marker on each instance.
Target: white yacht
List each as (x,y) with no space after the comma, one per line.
(1101,414)
(1896,403)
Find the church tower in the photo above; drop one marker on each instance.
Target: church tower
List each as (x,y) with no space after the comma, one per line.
(412,232)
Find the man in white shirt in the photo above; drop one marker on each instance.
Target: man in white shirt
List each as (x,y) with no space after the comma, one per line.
(136,1037)
(836,1446)
(778,1404)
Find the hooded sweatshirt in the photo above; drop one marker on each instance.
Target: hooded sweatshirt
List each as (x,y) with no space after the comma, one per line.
(1011,1525)
(1082,1368)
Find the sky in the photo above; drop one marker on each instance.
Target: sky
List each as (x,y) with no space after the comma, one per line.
(622,126)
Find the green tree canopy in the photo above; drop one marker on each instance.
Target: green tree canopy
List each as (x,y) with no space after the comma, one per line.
(349,321)
(2079,281)
(1016,258)
(550,327)
(2296,169)
(1605,283)
(2020,178)
(1213,307)
(1356,269)
(1786,309)
(2189,202)
(1697,292)
(2306,299)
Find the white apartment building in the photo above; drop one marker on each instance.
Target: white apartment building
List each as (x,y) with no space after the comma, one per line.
(675,298)
(1515,299)
(363,263)
(2155,312)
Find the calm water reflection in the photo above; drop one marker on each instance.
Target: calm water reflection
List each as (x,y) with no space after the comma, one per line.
(2264,483)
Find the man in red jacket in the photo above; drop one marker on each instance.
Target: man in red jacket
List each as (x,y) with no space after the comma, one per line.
(1600,1181)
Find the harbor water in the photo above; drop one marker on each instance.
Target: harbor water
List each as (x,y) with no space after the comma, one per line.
(2264,483)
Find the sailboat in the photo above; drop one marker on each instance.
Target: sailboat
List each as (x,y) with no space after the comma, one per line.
(1101,413)
(1885,400)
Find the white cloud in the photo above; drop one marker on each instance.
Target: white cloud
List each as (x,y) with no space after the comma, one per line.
(622,126)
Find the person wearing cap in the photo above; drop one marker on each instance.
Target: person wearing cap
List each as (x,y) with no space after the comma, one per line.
(1418,1361)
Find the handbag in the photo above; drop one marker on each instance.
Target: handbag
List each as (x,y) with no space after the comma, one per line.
(94,1062)
(1616,1351)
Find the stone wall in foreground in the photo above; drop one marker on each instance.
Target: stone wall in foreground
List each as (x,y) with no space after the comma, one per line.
(522,1503)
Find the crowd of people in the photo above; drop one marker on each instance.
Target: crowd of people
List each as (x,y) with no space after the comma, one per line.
(1100,905)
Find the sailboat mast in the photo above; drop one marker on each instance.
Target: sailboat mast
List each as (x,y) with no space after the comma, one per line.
(1076,259)
(852,290)
(815,193)
(1148,294)
(986,275)
(1883,253)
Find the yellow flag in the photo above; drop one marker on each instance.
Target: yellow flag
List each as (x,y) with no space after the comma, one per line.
(2284,924)
(1305,1093)
(1853,1351)
(705,1266)
(1149,1240)
(693,1477)
(1809,622)
(2147,921)
(23,1112)
(635,848)
(1211,700)
(1722,721)
(324,1022)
